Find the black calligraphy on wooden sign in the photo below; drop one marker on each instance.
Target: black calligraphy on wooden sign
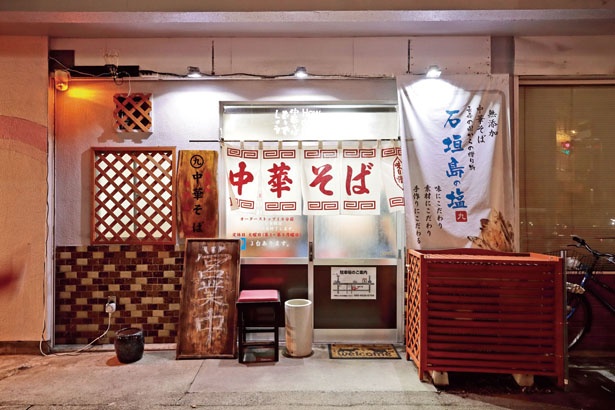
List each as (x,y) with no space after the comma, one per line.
(207,320)
(197,194)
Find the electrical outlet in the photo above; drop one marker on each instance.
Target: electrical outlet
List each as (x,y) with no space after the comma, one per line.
(111,305)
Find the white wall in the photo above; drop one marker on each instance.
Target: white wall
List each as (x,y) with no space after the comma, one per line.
(375,56)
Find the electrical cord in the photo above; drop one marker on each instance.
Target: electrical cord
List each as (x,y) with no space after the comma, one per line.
(117,78)
(147,73)
(82,349)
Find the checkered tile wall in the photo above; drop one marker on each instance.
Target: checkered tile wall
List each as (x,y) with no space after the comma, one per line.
(145,279)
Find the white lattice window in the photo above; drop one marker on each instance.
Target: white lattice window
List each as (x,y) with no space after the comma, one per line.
(133,195)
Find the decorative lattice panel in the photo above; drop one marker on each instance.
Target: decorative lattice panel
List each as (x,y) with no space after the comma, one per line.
(133,112)
(413,293)
(133,195)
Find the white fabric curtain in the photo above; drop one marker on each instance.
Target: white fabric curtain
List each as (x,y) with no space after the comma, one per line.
(458,183)
(321,180)
(330,178)
(243,176)
(281,182)
(392,175)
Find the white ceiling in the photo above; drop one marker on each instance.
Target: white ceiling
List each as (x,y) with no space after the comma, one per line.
(309,23)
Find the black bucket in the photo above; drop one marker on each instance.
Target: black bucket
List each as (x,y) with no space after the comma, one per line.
(129,344)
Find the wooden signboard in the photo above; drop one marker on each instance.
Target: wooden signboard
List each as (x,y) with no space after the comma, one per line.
(197,194)
(207,318)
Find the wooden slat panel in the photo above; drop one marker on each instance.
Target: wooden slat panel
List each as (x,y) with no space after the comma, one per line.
(523,360)
(489,317)
(488,312)
(522,326)
(534,339)
(520,273)
(477,292)
(487,347)
(489,299)
(527,308)
(489,331)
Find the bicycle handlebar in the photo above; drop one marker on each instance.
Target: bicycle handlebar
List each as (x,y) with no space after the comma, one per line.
(581,242)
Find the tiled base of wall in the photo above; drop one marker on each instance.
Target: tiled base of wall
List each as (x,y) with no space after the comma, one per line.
(145,279)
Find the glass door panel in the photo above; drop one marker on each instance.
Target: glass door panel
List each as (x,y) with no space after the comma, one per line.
(355,236)
(351,251)
(303,255)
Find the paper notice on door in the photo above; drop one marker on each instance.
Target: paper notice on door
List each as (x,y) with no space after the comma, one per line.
(351,282)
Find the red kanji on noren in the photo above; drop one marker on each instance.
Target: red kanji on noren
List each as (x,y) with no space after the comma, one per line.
(241,178)
(279,178)
(322,178)
(359,188)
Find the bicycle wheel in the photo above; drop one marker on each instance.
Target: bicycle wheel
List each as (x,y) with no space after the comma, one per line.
(578,318)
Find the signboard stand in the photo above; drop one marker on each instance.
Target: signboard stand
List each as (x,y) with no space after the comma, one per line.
(207,322)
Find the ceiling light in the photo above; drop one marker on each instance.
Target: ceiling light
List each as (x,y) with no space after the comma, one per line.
(194,72)
(301,72)
(433,72)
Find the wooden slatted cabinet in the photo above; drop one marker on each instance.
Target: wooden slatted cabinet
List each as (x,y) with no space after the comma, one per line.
(473,310)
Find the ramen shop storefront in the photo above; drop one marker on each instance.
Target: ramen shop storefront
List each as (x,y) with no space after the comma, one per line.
(317,179)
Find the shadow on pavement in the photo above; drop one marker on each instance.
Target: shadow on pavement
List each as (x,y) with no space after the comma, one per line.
(591,386)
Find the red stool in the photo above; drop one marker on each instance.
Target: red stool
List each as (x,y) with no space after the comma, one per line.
(248,302)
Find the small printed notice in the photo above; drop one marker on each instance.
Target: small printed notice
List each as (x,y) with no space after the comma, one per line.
(351,282)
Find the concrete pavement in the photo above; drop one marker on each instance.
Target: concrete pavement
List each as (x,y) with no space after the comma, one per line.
(97,380)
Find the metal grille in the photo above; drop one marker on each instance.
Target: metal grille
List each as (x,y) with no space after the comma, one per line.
(133,195)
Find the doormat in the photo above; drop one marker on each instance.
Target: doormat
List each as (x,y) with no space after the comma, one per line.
(362,351)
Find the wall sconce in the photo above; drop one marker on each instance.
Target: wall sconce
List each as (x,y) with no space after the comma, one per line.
(433,72)
(194,72)
(301,72)
(61,78)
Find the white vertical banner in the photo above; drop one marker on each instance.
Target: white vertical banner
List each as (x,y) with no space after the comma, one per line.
(243,171)
(457,135)
(361,179)
(281,181)
(392,175)
(321,181)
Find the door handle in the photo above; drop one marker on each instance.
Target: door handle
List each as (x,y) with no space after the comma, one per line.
(311,251)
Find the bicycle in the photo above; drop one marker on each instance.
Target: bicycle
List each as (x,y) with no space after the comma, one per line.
(579,313)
